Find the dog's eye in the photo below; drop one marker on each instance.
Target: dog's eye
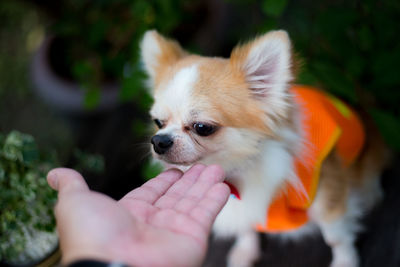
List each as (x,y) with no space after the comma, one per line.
(203,129)
(158,123)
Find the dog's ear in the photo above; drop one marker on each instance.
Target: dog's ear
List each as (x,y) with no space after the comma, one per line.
(158,52)
(266,64)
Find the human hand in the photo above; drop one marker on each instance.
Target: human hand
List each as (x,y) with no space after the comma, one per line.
(165,222)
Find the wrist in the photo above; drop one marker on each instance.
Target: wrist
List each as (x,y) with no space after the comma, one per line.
(75,255)
(95,263)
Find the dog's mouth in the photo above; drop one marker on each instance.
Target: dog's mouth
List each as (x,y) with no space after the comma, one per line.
(178,161)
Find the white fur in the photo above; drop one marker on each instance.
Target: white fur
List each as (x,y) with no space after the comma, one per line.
(150,52)
(245,250)
(256,164)
(173,107)
(257,183)
(243,147)
(341,233)
(174,98)
(267,69)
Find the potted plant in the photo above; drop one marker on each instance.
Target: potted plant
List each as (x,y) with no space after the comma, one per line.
(27,229)
(27,225)
(89,60)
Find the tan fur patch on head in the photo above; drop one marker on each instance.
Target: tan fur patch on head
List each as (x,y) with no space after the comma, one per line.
(267,62)
(223,92)
(240,53)
(226,88)
(167,71)
(170,53)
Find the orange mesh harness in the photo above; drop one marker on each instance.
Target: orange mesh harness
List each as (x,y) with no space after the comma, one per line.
(328,123)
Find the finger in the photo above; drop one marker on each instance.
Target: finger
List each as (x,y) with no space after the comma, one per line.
(210,176)
(155,188)
(208,208)
(178,190)
(66,180)
(199,222)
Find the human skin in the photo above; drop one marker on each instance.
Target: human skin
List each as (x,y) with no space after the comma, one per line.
(165,222)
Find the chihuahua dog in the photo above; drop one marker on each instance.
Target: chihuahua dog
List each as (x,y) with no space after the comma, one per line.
(294,157)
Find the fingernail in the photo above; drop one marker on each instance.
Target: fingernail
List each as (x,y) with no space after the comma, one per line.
(173,171)
(52,180)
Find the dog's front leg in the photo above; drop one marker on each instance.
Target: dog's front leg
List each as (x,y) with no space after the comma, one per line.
(245,250)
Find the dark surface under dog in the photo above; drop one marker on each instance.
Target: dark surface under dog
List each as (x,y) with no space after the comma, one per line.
(378,245)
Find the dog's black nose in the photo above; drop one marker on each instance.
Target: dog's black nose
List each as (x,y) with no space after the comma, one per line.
(161,143)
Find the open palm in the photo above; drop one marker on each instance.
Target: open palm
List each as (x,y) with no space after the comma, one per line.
(165,222)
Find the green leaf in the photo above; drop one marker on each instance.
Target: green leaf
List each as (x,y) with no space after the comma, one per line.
(98,31)
(355,65)
(333,22)
(2,175)
(146,100)
(389,125)
(274,8)
(20,147)
(132,86)
(30,152)
(25,197)
(89,162)
(92,98)
(82,70)
(366,38)
(140,128)
(95,163)
(151,169)
(385,68)
(334,80)
(12,147)
(306,76)
(268,25)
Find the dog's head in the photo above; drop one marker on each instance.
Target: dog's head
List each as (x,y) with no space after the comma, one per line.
(215,110)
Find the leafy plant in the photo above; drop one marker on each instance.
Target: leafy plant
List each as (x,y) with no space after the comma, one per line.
(27,224)
(100,41)
(151,169)
(349,48)
(26,201)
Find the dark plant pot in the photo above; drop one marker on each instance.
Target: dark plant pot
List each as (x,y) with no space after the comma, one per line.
(65,95)
(52,259)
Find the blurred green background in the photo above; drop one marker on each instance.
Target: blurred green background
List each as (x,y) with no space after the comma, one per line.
(349,48)
(85,54)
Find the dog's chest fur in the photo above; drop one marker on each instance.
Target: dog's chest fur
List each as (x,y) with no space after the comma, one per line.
(257,181)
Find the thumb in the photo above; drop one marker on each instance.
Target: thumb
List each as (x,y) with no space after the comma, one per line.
(64,180)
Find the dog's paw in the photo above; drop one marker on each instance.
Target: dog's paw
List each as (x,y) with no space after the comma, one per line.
(344,263)
(242,257)
(345,258)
